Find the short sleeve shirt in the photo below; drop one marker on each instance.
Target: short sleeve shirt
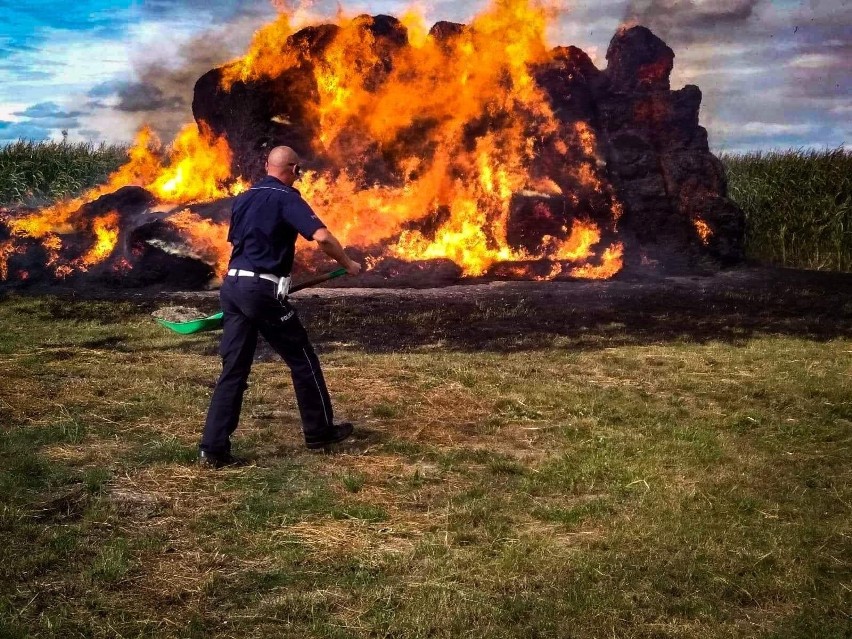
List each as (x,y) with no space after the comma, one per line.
(265,221)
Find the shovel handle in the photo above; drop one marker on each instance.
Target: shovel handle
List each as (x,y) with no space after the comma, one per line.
(318,280)
(215,321)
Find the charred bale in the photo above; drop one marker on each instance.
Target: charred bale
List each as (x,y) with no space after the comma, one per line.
(24,261)
(218,211)
(638,61)
(396,273)
(127,201)
(255,116)
(532,216)
(443,31)
(658,155)
(568,80)
(160,256)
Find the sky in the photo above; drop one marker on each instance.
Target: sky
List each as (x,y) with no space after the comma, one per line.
(775,74)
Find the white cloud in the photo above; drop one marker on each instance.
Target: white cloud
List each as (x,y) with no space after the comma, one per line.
(813,61)
(770,129)
(76,64)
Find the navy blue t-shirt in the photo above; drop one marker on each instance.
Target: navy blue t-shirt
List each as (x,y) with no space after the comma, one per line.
(264,223)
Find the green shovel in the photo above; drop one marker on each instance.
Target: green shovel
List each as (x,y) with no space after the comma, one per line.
(215,321)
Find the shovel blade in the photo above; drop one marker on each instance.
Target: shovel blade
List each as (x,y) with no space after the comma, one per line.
(195,326)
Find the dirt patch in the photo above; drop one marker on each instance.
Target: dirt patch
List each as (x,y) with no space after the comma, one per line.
(178,314)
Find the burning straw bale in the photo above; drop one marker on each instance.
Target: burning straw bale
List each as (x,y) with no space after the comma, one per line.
(424,147)
(656,155)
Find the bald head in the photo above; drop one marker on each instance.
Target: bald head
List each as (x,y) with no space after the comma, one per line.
(281,163)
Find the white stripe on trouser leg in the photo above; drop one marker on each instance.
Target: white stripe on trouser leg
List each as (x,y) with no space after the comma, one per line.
(316,381)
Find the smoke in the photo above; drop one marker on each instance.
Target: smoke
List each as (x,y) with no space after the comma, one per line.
(138,96)
(684,20)
(161,93)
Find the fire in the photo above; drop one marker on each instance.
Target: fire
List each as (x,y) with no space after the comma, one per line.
(208,240)
(141,168)
(199,166)
(611,263)
(579,244)
(703,229)
(434,91)
(267,56)
(106,231)
(196,167)
(7,249)
(457,124)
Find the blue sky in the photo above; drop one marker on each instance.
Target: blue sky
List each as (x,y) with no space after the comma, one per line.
(774,73)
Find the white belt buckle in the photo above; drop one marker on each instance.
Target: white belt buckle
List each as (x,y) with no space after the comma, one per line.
(283,287)
(282,283)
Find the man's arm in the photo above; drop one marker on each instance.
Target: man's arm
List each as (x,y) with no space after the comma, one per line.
(329,244)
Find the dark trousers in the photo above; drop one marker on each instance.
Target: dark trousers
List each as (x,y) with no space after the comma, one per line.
(250,307)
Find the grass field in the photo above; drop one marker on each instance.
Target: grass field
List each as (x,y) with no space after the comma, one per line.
(591,488)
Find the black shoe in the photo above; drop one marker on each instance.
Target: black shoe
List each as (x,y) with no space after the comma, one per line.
(338,433)
(218,461)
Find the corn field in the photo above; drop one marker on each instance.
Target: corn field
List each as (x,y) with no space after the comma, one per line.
(798,204)
(36,173)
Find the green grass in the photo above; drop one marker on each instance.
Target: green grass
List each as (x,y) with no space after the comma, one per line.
(798,206)
(667,489)
(39,172)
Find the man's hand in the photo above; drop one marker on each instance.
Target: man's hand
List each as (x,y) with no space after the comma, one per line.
(329,244)
(354,268)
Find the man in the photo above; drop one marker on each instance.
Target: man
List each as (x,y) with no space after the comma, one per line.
(264,223)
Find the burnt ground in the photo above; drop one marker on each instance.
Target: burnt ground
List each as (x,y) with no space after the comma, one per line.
(731,306)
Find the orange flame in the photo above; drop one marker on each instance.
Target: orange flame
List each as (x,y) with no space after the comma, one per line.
(703,229)
(267,56)
(106,230)
(7,250)
(195,168)
(459,123)
(611,263)
(578,246)
(438,88)
(199,167)
(208,240)
(141,168)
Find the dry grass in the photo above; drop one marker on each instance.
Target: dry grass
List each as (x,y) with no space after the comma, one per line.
(663,490)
